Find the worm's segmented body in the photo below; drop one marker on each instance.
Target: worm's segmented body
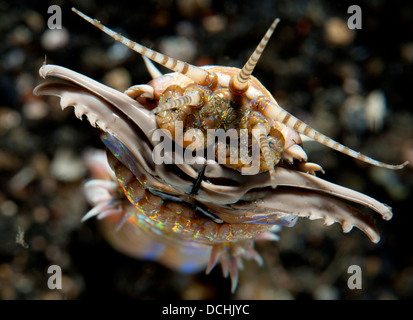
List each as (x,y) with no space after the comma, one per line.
(203,162)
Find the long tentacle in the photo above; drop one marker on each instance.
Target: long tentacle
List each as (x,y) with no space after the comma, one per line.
(197,74)
(275,112)
(239,82)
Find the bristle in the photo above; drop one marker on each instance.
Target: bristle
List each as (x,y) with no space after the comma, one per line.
(253,254)
(98,209)
(124,217)
(225,264)
(214,258)
(233,273)
(275,112)
(268,236)
(239,82)
(197,74)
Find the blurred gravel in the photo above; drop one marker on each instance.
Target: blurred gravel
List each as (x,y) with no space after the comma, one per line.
(354,85)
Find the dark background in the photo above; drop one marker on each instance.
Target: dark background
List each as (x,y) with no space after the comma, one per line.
(322,80)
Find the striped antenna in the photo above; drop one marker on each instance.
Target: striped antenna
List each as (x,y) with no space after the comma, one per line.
(193,98)
(275,112)
(239,82)
(199,75)
(260,135)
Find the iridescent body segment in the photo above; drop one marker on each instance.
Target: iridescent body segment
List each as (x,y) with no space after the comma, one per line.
(193,214)
(174,219)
